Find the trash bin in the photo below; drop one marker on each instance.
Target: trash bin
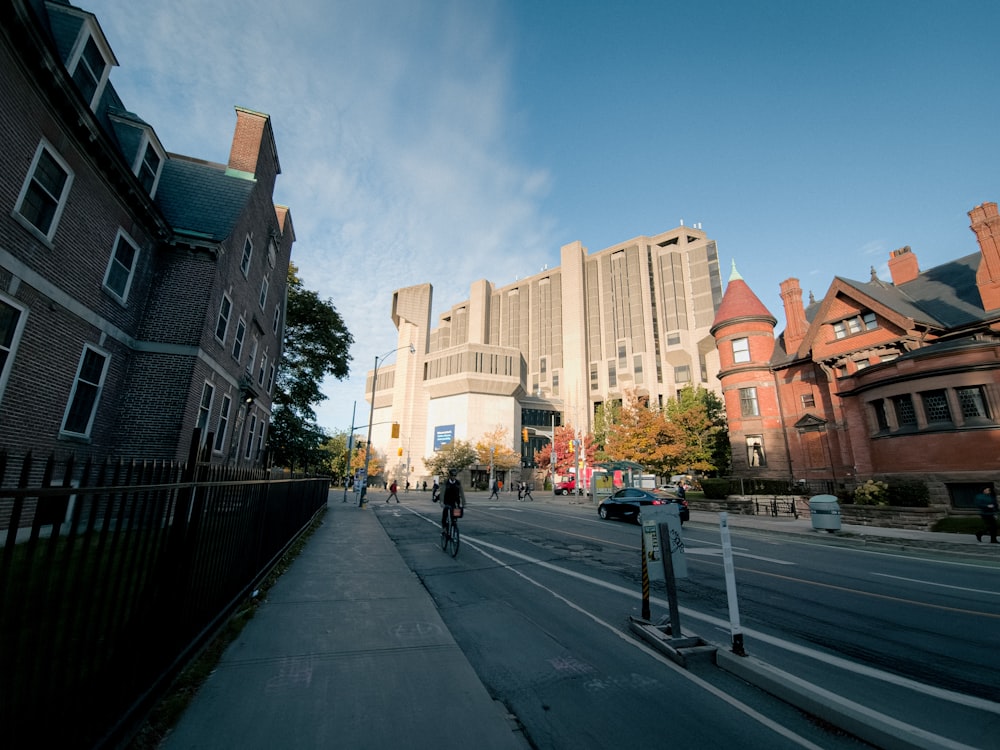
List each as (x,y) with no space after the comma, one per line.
(825,512)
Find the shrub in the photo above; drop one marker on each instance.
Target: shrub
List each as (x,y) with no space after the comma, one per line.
(909,493)
(872,492)
(715,489)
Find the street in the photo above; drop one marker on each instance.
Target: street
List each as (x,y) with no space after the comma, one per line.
(539,596)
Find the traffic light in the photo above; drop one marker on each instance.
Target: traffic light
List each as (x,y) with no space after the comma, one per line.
(572,446)
(399,451)
(524,434)
(395,430)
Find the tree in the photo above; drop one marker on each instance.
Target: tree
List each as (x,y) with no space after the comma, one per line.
(316,343)
(566,456)
(458,454)
(495,446)
(643,435)
(701,417)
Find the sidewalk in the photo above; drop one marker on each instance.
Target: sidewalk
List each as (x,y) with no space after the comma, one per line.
(348,650)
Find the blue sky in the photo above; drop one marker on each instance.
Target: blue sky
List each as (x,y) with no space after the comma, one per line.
(449,141)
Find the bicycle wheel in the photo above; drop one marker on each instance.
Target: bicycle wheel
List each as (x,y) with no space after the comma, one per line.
(444,534)
(454,538)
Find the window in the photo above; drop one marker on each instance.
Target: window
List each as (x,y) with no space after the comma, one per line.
(253,355)
(205,408)
(89,72)
(222,323)
(856,324)
(906,415)
(44,193)
(741,350)
(673,339)
(277,319)
(543,367)
(250,432)
(260,436)
(808,400)
(621,356)
(637,368)
(612,374)
(755,451)
(263,293)
(881,418)
(86,393)
(121,267)
(11,324)
(862,364)
(220,433)
(682,374)
(972,400)
(594,381)
(262,371)
(148,168)
(936,406)
(555,384)
(241,332)
(270,379)
(247,254)
(748,402)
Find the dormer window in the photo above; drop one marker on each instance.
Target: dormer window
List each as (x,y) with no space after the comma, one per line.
(855,324)
(148,168)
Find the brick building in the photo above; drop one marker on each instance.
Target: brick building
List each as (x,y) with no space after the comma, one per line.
(875,380)
(141,292)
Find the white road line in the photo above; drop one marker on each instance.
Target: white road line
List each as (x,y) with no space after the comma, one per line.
(941,585)
(711,552)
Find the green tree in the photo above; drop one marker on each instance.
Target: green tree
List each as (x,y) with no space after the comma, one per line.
(495,445)
(704,437)
(316,344)
(645,436)
(458,454)
(566,456)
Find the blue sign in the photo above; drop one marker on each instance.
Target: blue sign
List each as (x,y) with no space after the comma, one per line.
(443,434)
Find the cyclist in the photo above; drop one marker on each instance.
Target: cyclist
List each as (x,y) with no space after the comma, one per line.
(452,496)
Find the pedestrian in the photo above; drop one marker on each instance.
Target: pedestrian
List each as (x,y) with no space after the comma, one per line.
(434,490)
(496,491)
(527,493)
(407,490)
(425,486)
(392,492)
(986,503)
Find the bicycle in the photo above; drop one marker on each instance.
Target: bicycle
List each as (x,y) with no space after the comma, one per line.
(449,533)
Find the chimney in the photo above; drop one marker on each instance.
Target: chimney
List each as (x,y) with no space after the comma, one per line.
(253,142)
(903,265)
(985,222)
(796,324)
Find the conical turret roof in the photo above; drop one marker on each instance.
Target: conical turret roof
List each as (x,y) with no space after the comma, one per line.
(739,303)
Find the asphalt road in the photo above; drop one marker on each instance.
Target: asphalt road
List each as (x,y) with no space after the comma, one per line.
(524,601)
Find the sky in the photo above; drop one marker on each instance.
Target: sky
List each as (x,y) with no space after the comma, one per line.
(448,141)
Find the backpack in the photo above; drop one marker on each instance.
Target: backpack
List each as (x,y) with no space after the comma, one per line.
(452,496)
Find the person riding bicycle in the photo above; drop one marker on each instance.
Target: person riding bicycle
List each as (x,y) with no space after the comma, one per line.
(452,495)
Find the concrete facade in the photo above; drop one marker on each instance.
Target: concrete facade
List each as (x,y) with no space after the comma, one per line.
(549,348)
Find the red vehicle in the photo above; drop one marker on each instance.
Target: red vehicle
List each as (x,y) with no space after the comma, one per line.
(565,486)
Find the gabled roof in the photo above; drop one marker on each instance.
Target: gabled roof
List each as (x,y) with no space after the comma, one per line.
(200,198)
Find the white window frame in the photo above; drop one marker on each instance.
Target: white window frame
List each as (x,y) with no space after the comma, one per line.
(205,410)
(261,425)
(262,370)
(223,423)
(228,313)
(60,201)
(119,238)
(241,332)
(277,318)
(262,298)
(75,58)
(741,350)
(270,379)
(250,436)
(149,144)
(99,390)
(10,349)
(247,256)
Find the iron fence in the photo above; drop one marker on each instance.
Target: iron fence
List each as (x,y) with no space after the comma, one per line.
(114,574)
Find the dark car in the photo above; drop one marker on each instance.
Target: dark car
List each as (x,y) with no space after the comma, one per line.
(627,503)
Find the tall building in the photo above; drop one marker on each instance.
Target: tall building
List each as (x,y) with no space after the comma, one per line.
(878,379)
(549,349)
(142,292)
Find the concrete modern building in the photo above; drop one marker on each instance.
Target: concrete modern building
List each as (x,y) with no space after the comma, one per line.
(877,379)
(549,349)
(142,292)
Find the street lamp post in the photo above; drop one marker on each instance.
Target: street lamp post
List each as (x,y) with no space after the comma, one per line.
(371,418)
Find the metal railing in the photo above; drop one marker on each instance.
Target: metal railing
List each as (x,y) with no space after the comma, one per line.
(114,575)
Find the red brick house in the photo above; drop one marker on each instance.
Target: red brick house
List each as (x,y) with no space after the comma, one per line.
(141,292)
(875,380)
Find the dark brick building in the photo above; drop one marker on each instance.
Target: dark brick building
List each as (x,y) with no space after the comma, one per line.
(141,292)
(877,379)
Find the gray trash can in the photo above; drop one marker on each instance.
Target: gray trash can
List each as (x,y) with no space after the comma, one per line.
(825,512)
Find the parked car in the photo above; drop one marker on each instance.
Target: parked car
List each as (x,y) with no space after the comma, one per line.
(627,504)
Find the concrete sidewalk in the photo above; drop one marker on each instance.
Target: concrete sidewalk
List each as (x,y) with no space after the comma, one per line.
(347,651)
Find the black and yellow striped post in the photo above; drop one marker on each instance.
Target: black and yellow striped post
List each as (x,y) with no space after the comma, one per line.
(645,582)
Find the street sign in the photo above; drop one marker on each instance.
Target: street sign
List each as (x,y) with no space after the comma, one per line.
(665,519)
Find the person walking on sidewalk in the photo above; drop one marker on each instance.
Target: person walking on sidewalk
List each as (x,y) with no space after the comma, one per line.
(986,503)
(392,492)
(453,496)
(527,493)
(496,491)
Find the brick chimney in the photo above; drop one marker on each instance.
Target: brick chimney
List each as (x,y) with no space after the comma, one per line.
(253,150)
(903,265)
(796,324)
(985,222)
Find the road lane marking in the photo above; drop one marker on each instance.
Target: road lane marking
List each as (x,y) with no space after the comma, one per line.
(941,585)
(980,704)
(711,552)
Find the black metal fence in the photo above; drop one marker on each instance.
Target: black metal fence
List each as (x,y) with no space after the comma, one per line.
(114,575)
